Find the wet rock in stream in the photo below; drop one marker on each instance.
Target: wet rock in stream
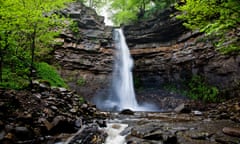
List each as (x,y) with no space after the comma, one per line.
(191,132)
(232,131)
(127,112)
(195,127)
(89,135)
(183,108)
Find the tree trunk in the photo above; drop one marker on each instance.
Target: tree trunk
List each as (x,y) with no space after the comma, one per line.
(2,49)
(1,64)
(33,46)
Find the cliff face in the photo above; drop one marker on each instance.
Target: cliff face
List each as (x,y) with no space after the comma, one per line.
(163,51)
(85,55)
(163,29)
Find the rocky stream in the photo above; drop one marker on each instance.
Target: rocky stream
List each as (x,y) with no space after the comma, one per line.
(56,115)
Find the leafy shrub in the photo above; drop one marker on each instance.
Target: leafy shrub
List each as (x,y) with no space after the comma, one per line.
(13,80)
(81,100)
(196,88)
(81,81)
(199,89)
(48,73)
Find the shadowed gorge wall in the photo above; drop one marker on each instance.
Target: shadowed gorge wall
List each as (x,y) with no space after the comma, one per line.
(165,51)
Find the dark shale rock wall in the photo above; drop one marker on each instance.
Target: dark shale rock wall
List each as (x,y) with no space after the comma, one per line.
(164,51)
(163,29)
(85,53)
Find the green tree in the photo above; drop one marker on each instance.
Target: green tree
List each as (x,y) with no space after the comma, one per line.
(27,28)
(161,4)
(213,17)
(127,11)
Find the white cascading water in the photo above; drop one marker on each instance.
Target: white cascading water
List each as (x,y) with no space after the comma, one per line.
(123,79)
(122,94)
(113,130)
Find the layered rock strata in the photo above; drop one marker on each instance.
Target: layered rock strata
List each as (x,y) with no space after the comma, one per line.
(85,53)
(164,51)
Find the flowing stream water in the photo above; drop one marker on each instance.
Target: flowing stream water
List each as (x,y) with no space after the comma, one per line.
(114,133)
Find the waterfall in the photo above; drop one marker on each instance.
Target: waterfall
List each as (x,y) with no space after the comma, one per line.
(122,76)
(122,94)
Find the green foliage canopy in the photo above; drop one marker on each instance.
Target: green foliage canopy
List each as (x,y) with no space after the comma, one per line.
(27,28)
(128,11)
(26,20)
(212,17)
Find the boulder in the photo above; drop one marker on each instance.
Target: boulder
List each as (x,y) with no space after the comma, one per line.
(232,131)
(127,112)
(23,133)
(89,135)
(183,108)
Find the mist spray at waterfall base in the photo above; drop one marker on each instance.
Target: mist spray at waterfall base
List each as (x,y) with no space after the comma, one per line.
(122,94)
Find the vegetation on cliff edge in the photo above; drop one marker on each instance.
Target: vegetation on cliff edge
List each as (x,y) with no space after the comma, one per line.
(220,18)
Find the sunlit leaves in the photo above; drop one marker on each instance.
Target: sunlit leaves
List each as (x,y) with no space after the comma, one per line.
(124,17)
(20,17)
(212,17)
(126,11)
(27,27)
